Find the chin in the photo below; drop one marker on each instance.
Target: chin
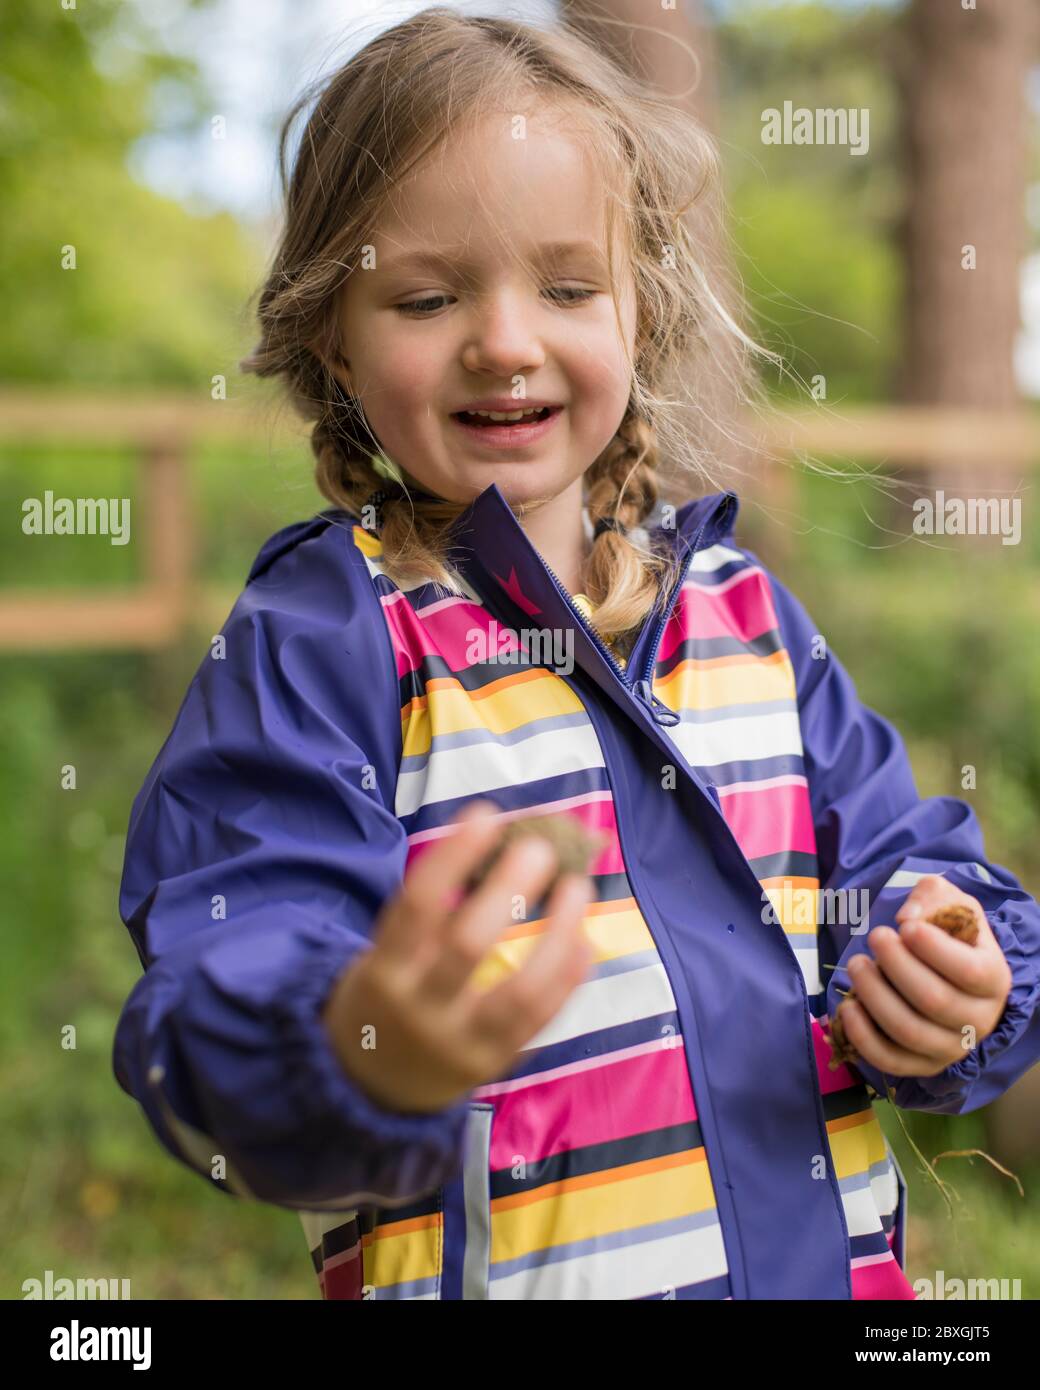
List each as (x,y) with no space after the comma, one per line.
(521,483)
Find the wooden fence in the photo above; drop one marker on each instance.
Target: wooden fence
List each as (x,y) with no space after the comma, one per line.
(163,432)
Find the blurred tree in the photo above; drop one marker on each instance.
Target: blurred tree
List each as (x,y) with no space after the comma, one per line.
(962,78)
(156,292)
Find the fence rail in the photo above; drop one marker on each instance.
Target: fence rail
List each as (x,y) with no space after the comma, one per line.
(163,431)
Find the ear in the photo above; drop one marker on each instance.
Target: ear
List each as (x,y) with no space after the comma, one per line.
(333,360)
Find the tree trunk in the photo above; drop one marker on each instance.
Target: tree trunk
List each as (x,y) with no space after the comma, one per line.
(962,74)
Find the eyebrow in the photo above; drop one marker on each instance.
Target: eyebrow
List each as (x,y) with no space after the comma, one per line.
(436,260)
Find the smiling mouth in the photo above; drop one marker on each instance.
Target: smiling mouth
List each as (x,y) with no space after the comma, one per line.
(500,419)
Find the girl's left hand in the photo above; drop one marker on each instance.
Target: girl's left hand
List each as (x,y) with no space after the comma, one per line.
(935,997)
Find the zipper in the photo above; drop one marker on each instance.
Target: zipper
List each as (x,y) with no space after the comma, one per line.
(641,688)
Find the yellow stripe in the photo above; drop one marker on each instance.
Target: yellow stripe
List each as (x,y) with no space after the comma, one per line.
(857,1142)
(613,930)
(413,1253)
(367,542)
(727,681)
(797,910)
(517,700)
(594,1204)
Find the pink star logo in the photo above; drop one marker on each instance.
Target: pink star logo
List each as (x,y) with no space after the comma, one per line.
(513,589)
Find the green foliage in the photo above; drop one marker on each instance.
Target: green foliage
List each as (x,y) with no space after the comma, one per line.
(157,294)
(822,287)
(814,225)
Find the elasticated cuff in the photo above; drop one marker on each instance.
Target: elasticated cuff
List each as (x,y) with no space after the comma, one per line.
(923,1092)
(392,1156)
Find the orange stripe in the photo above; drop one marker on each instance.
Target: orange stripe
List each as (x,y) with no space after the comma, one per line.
(777,881)
(419,702)
(414,1224)
(537,926)
(685,1159)
(861,1117)
(707,663)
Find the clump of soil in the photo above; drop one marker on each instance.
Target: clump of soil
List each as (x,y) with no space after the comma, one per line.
(573,844)
(959,921)
(956,919)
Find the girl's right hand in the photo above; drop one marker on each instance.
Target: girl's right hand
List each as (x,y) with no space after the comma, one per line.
(406,1025)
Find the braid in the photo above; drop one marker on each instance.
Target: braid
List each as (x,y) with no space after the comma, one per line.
(343,476)
(623,486)
(624,582)
(411,524)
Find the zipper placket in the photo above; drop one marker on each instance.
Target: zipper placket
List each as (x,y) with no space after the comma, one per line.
(641,688)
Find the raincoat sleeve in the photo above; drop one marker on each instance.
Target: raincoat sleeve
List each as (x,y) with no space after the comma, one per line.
(260,850)
(875,833)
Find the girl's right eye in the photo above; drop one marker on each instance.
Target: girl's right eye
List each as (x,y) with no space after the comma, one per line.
(416,305)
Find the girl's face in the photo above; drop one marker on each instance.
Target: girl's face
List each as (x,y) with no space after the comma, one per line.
(447,319)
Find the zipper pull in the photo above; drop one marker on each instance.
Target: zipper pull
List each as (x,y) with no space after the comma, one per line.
(660,711)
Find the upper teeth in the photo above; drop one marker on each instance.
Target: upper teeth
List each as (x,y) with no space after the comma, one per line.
(502,415)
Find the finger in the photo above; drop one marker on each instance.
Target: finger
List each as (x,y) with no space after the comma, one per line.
(976,969)
(930,993)
(519,1008)
(890,1011)
(523,872)
(929,893)
(435,880)
(875,1049)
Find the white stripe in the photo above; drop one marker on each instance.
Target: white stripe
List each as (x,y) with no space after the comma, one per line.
(738,738)
(609,1003)
(906,878)
(861,1212)
(485,767)
(632,1271)
(714,557)
(808,958)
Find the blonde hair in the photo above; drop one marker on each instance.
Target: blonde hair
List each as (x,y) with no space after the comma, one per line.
(381,113)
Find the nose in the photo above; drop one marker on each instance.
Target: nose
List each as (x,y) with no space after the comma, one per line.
(503,341)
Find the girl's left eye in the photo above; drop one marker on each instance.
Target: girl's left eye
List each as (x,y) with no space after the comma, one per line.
(583,295)
(421,307)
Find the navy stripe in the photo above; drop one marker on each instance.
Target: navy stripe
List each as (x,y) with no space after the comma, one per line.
(597,1158)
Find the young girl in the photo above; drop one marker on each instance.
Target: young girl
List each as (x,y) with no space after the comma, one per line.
(618,1087)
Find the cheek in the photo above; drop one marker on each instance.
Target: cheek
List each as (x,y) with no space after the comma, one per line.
(598,363)
(400,386)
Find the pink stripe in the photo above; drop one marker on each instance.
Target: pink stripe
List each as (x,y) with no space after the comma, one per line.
(445,630)
(771,820)
(593,1107)
(743,610)
(830,1081)
(879,1276)
(524,1083)
(595,812)
(545,809)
